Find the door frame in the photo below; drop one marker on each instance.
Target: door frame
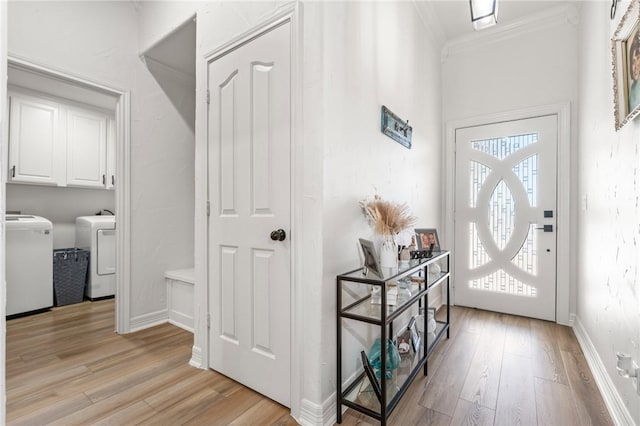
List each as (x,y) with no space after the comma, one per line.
(565,261)
(123,181)
(290,13)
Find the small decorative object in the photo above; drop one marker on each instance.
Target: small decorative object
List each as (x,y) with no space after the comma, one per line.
(392,295)
(614,6)
(397,129)
(625,51)
(391,222)
(404,342)
(415,335)
(428,239)
(393,357)
(421,254)
(434,269)
(370,258)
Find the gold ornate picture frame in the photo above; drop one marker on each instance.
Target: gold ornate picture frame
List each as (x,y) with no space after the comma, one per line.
(625,53)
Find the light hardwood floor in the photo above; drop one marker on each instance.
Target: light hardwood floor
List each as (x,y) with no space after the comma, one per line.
(505,370)
(68,367)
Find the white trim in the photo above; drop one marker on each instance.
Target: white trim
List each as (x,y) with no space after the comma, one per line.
(4,146)
(564,293)
(612,399)
(312,414)
(196,358)
(554,16)
(123,212)
(289,12)
(181,321)
(149,320)
(123,178)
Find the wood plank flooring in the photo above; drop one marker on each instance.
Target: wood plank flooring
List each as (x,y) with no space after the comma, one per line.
(68,367)
(502,370)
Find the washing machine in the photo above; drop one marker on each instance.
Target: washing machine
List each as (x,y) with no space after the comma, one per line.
(98,235)
(29,263)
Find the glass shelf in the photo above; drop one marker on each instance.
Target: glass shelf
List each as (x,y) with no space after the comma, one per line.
(361,392)
(365,310)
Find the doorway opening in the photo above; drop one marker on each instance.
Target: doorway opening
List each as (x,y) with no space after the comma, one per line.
(83,104)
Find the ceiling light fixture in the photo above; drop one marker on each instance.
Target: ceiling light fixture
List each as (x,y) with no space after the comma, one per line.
(484,13)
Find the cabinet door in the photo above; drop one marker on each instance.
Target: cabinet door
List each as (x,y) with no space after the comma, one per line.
(111,154)
(35,145)
(86,148)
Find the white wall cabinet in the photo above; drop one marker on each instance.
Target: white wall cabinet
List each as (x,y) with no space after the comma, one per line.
(36,146)
(86,149)
(53,143)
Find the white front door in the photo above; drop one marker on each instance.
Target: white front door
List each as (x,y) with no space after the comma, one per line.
(249,143)
(505,217)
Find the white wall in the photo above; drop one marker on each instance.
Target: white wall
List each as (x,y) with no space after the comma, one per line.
(376,53)
(608,303)
(60,205)
(97,41)
(3,174)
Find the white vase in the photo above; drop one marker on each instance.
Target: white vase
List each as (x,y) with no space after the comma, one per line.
(389,253)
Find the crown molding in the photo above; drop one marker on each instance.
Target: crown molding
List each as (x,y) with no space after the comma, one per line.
(427,15)
(555,16)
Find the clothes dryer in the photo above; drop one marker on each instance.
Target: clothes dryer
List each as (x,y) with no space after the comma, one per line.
(98,235)
(29,263)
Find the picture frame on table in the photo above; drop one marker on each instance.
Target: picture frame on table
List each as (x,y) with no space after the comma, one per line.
(370,258)
(427,239)
(415,335)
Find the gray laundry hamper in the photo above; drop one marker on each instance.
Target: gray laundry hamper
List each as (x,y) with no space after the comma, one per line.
(70,267)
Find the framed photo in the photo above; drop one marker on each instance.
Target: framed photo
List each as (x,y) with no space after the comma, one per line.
(415,335)
(403,342)
(371,375)
(625,51)
(425,237)
(370,258)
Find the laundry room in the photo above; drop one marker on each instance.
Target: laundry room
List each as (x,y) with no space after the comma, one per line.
(60,192)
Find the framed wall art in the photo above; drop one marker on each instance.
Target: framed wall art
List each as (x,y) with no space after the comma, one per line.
(625,53)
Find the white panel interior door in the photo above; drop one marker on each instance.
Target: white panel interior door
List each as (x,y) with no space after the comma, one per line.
(505,217)
(249,138)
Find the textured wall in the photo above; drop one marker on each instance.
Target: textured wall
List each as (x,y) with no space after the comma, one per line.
(98,41)
(608,304)
(376,53)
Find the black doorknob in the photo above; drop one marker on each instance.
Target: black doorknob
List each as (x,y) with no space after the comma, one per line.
(278,235)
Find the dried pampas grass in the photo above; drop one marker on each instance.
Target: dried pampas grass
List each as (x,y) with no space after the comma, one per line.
(387,217)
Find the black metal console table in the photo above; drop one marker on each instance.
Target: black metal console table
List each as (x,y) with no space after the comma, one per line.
(360,321)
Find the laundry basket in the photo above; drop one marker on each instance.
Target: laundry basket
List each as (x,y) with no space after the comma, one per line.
(69,275)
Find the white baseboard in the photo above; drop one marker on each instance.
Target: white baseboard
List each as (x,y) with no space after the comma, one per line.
(196,358)
(181,321)
(149,320)
(312,414)
(618,411)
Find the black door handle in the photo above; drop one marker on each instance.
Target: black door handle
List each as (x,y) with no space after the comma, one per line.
(278,235)
(546,228)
